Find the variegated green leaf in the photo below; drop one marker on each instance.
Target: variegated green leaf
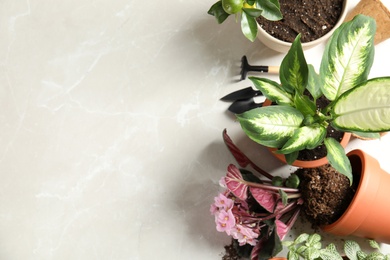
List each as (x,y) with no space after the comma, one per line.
(248,26)
(271,126)
(305,105)
(306,137)
(348,56)
(313,239)
(272,90)
(351,248)
(293,72)
(326,254)
(366,108)
(337,157)
(375,256)
(301,238)
(365,135)
(314,82)
(374,244)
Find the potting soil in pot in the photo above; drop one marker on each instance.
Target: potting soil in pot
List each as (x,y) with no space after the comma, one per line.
(311,18)
(326,194)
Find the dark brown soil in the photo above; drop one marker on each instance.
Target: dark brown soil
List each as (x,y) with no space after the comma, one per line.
(311,18)
(326,194)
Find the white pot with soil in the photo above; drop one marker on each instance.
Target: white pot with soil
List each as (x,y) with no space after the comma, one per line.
(316,24)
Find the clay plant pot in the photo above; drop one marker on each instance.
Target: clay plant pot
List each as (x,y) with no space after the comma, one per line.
(307,164)
(282,46)
(367,215)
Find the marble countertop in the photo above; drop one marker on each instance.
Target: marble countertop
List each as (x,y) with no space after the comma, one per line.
(111,127)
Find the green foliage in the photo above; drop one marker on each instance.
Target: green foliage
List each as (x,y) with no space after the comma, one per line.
(309,247)
(249,11)
(355,104)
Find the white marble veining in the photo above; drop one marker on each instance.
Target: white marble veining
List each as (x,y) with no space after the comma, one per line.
(110,127)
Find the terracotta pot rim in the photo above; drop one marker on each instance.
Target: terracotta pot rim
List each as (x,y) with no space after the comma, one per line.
(282,46)
(312,163)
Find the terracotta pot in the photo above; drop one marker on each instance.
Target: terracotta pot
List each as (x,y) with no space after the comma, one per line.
(307,164)
(367,215)
(282,46)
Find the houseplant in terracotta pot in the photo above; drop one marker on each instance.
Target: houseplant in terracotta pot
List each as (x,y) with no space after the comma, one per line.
(354,103)
(264,18)
(257,209)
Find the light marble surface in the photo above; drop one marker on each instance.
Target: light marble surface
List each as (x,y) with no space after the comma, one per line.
(111,124)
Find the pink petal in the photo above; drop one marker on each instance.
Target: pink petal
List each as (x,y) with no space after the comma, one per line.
(234,182)
(265,198)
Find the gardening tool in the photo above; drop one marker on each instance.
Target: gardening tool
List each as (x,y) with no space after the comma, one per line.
(243,100)
(242,105)
(246,67)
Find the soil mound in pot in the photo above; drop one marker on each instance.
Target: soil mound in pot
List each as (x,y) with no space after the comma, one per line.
(311,18)
(326,194)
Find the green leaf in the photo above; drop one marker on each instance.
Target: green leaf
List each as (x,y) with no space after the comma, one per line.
(253,12)
(305,105)
(312,253)
(361,255)
(331,247)
(375,256)
(367,135)
(337,158)
(351,248)
(293,181)
(301,238)
(313,239)
(366,108)
(291,157)
(374,244)
(272,90)
(272,125)
(218,12)
(306,137)
(314,83)
(348,56)
(248,26)
(327,254)
(292,255)
(271,9)
(284,197)
(293,72)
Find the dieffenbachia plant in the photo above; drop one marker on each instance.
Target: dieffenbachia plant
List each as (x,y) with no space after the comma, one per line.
(356,104)
(249,10)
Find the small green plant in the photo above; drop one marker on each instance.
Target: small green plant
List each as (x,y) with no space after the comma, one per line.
(249,10)
(355,104)
(309,247)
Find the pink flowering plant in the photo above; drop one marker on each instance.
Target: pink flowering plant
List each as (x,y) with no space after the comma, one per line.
(256,212)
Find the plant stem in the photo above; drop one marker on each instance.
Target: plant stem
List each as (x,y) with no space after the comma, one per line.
(273,188)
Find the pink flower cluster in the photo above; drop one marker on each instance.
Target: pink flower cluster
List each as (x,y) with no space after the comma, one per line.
(231,216)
